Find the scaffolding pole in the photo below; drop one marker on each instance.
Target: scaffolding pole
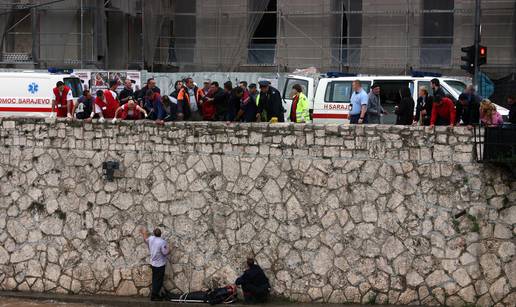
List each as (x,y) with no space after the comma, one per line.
(35,36)
(81,51)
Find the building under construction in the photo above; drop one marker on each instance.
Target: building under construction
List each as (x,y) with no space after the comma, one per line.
(365,36)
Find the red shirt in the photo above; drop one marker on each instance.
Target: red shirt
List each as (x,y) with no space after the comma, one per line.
(294,109)
(445,110)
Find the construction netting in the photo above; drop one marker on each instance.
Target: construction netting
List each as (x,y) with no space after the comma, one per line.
(257,35)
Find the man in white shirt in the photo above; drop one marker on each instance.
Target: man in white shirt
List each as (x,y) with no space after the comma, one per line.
(159,251)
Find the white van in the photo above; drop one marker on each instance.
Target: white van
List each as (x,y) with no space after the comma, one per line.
(29,94)
(330,98)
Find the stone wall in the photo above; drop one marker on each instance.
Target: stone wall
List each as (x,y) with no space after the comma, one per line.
(333,213)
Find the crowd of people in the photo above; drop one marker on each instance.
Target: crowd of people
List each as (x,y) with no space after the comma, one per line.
(263,103)
(433,108)
(242,103)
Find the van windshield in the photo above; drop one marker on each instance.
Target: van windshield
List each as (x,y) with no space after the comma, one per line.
(458,86)
(74,84)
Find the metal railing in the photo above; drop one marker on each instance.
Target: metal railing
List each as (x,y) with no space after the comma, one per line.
(496,145)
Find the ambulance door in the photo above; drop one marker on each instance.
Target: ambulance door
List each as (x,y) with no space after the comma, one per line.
(333,100)
(307,84)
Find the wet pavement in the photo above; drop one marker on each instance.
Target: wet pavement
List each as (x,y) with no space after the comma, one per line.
(16,302)
(28,299)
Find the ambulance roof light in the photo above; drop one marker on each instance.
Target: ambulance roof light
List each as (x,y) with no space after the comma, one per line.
(65,71)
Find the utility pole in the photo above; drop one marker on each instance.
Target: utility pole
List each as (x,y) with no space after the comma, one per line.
(476,75)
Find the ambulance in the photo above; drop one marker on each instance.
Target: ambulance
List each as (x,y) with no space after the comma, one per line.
(29,94)
(329,98)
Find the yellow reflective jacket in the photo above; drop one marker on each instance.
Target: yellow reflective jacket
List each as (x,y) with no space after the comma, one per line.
(302,109)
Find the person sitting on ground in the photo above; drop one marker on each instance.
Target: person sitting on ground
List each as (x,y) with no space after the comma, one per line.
(488,115)
(129,111)
(443,112)
(159,251)
(255,284)
(84,106)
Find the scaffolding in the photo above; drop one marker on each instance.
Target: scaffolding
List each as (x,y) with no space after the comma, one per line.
(365,36)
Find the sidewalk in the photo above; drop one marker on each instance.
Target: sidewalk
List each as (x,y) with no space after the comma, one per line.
(117,301)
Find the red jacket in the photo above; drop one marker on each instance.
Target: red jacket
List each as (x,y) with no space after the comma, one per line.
(125,113)
(61,101)
(112,105)
(446,111)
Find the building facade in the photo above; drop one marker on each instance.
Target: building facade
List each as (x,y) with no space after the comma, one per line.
(364,36)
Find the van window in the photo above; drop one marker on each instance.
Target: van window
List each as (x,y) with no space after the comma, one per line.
(340,91)
(456,85)
(74,84)
(291,82)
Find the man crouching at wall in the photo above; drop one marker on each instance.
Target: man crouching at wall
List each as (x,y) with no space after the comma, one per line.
(255,284)
(159,250)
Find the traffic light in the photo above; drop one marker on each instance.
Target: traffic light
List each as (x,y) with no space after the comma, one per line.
(482,55)
(468,58)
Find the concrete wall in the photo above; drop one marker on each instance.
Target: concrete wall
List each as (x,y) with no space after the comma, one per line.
(333,213)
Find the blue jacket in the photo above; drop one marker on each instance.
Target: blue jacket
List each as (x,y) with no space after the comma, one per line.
(155,108)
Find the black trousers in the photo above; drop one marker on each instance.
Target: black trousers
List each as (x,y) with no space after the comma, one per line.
(158,274)
(255,294)
(441,121)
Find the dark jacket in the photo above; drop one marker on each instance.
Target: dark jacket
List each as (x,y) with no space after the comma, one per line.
(469,114)
(424,103)
(249,109)
(405,111)
(512,113)
(233,106)
(144,90)
(439,92)
(124,94)
(84,107)
(254,276)
(154,107)
(221,100)
(270,102)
